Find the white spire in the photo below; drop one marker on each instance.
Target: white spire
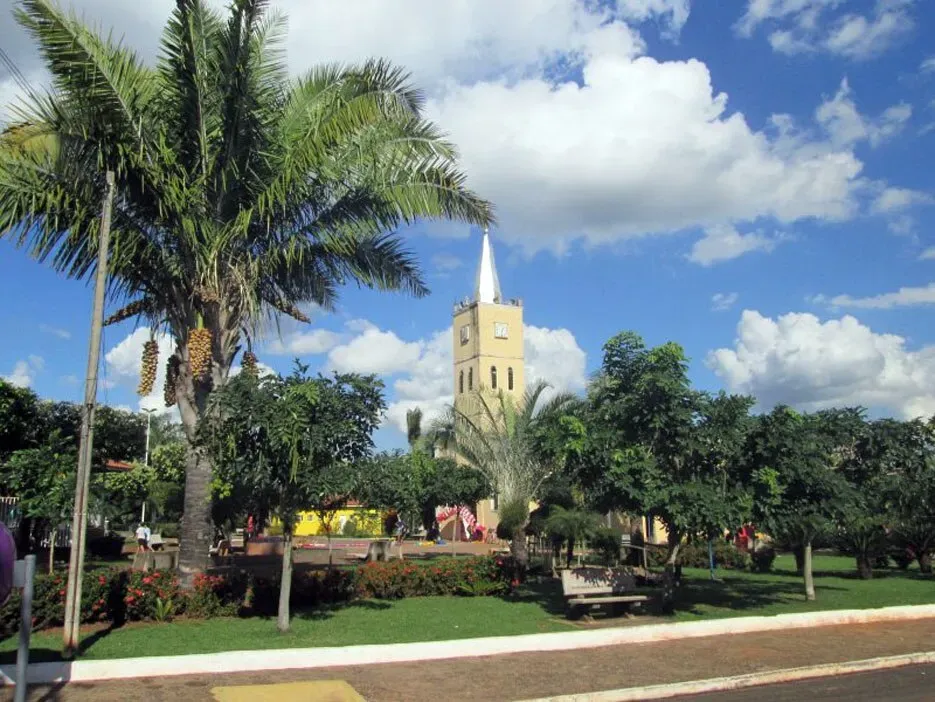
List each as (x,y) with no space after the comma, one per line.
(488,285)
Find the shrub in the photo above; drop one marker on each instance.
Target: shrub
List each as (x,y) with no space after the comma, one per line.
(109,546)
(727,556)
(445,576)
(215,596)
(169,530)
(763,558)
(143,589)
(512,515)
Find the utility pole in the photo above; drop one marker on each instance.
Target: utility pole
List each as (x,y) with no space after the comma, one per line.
(149,421)
(79,523)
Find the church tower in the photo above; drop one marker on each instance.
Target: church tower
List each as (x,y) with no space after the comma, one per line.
(487,336)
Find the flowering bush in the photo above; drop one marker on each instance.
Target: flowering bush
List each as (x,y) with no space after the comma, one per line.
(143,589)
(119,595)
(215,596)
(445,576)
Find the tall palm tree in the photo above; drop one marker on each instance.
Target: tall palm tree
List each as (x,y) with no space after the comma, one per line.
(500,436)
(241,192)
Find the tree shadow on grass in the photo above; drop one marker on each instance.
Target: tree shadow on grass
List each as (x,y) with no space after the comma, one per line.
(54,655)
(741,594)
(545,592)
(323,612)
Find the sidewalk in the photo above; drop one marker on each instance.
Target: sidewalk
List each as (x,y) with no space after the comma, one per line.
(530,675)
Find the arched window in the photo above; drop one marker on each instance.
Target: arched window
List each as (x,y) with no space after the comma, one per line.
(461,382)
(493,377)
(509,378)
(470,378)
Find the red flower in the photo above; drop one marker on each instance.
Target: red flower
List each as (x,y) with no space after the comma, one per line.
(147,581)
(61,592)
(102,580)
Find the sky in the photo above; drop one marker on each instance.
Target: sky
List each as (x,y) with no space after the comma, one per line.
(752,179)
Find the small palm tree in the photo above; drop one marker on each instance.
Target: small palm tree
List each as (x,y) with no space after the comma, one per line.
(498,436)
(571,526)
(413,426)
(241,193)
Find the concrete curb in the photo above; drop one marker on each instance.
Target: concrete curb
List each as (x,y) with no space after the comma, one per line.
(281,659)
(737,682)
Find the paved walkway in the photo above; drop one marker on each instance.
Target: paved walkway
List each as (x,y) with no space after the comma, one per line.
(530,675)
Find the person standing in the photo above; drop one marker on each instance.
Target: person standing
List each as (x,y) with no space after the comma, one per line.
(141,538)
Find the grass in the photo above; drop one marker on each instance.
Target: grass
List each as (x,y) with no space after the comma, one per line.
(837,586)
(536,609)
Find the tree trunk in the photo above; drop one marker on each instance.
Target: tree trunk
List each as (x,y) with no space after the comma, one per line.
(925,562)
(799,552)
(864,567)
(519,552)
(52,550)
(285,584)
(807,570)
(570,551)
(196,530)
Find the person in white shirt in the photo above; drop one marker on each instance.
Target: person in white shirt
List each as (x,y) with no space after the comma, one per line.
(142,538)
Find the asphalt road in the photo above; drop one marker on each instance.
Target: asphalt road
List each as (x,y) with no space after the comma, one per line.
(911,683)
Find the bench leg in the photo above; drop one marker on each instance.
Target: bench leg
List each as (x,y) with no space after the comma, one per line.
(575,612)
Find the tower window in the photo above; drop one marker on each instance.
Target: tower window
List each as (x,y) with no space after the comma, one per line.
(509,378)
(500,330)
(461,382)
(465,334)
(470,378)
(493,377)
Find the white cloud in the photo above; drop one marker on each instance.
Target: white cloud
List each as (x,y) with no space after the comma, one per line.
(55,331)
(445,262)
(374,351)
(124,362)
(304,343)
(642,146)
(928,65)
(928,254)
(846,127)
(425,366)
(904,297)
(894,199)
(724,242)
(24,372)
(799,360)
(806,26)
(723,301)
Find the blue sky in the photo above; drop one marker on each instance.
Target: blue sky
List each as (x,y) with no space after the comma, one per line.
(751,179)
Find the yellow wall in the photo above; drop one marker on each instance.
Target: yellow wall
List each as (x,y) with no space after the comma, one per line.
(369,522)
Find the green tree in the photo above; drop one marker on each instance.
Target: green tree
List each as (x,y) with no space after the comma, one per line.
(496,435)
(241,192)
(903,456)
(798,492)
(19,418)
(571,526)
(293,445)
(416,483)
(43,480)
(654,446)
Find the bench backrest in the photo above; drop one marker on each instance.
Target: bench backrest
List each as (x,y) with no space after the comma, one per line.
(597,581)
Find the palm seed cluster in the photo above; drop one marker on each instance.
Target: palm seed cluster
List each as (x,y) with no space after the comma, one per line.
(148,367)
(199,353)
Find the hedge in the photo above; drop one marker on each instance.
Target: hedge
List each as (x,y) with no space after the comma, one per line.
(118,596)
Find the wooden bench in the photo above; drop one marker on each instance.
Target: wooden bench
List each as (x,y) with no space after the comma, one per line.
(590,586)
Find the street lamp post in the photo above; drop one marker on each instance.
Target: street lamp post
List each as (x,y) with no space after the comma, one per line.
(149,420)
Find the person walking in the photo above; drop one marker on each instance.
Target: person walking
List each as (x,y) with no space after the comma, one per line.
(142,540)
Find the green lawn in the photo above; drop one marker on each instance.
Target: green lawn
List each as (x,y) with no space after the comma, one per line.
(537,609)
(782,591)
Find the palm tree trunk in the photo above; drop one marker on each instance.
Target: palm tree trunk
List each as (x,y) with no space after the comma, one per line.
(519,552)
(285,583)
(196,528)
